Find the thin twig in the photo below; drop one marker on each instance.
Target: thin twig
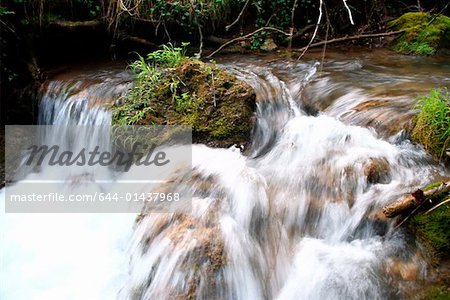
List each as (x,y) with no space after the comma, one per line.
(166,31)
(246,37)
(438,205)
(199,30)
(409,215)
(438,14)
(200,48)
(349,38)
(7,27)
(291,31)
(299,32)
(157,27)
(129,10)
(239,16)
(349,12)
(326,38)
(213,88)
(293,13)
(315,31)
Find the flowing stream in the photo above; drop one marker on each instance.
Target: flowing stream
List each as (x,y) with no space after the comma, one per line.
(290,219)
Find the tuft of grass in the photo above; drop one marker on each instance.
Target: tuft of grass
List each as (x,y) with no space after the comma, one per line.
(432,127)
(424,33)
(151,76)
(173,89)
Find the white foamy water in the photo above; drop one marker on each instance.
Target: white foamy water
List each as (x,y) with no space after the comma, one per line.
(290,220)
(67,256)
(63,256)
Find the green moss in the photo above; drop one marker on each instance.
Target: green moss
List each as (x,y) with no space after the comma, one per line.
(172,89)
(432,186)
(433,230)
(436,293)
(432,123)
(424,33)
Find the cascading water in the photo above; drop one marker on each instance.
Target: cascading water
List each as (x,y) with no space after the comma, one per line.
(68,256)
(292,219)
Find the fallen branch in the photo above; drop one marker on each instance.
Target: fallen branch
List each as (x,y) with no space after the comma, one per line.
(246,37)
(77,24)
(413,201)
(349,38)
(95,23)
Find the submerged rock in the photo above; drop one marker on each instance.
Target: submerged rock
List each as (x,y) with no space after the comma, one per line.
(269,45)
(377,170)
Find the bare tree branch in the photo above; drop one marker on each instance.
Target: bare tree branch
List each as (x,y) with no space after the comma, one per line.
(349,12)
(200,48)
(411,201)
(315,31)
(292,25)
(349,38)
(246,37)
(239,16)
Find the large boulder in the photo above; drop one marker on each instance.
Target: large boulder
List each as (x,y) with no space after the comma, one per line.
(217,105)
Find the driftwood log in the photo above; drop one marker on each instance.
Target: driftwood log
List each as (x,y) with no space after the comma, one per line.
(77,24)
(74,25)
(414,200)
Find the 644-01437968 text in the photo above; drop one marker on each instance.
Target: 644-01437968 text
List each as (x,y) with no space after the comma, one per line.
(94,197)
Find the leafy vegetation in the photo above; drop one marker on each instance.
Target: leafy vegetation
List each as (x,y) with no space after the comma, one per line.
(173,89)
(4,11)
(171,19)
(189,14)
(432,127)
(424,33)
(149,74)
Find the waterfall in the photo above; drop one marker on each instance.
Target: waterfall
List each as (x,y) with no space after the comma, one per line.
(68,256)
(291,218)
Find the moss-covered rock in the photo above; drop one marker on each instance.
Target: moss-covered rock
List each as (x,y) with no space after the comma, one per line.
(217,105)
(424,33)
(433,230)
(432,123)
